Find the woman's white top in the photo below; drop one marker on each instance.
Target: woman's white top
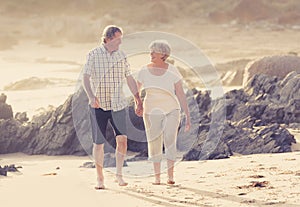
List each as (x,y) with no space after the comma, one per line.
(160,90)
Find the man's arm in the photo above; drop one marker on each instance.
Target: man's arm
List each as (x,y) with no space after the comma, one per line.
(134,90)
(93,100)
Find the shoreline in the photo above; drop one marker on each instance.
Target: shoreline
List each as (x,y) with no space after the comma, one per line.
(226,182)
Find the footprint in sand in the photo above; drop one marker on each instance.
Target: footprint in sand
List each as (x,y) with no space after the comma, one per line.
(49,174)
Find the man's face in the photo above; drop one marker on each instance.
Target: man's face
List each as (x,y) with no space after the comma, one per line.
(114,42)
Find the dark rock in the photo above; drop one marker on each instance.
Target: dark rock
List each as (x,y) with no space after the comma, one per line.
(22,117)
(269,101)
(209,145)
(198,113)
(260,85)
(290,88)
(267,139)
(110,160)
(3,98)
(3,171)
(14,136)
(241,139)
(57,136)
(5,109)
(254,110)
(12,168)
(203,100)
(273,114)
(246,121)
(278,66)
(88,165)
(143,155)
(8,168)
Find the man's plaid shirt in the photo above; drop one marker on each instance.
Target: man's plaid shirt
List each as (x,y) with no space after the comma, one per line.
(107,73)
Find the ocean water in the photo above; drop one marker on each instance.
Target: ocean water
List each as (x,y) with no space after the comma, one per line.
(31,61)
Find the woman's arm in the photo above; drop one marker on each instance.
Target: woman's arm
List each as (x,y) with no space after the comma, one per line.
(133,86)
(183,103)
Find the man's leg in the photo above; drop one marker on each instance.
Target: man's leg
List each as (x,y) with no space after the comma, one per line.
(118,121)
(99,120)
(98,153)
(121,151)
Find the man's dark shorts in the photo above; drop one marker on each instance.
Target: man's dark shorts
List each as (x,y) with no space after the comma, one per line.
(99,120)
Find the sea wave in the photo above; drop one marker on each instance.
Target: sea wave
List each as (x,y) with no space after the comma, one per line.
(34,83)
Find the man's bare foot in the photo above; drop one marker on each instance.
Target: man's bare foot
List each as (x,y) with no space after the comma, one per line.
(100,186)
(120,181)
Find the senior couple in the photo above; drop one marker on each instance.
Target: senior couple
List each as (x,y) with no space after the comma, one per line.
(104,71)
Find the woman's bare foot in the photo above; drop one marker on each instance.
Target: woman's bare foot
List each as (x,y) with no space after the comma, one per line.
(157,181)
(120,181)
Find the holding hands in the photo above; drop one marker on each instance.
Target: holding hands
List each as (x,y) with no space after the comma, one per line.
(139,107)
(94,102)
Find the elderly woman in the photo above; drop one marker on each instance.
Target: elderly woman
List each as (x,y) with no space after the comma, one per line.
(163,101)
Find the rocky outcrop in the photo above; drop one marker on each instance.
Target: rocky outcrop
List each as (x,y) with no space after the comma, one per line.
(245,121)
(8,168)
(64,130)
(278,66)
(232,73)
(208,145)
(5,109)
(256,120)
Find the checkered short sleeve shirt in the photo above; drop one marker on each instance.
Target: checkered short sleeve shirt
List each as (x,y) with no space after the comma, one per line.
(107,73)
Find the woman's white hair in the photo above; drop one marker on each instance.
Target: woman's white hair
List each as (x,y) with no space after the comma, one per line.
(161,46)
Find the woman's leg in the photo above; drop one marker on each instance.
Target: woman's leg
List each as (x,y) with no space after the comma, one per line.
(154,126)
(170,164)
(156,166)
(170,136)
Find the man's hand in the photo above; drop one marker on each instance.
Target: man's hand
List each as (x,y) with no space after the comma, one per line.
(139,108)
(94,102)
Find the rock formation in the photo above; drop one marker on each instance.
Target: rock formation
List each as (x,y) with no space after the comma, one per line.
(246,121)
(278,66)
(5,109)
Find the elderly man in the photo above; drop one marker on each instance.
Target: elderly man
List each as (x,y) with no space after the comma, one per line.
(104,72)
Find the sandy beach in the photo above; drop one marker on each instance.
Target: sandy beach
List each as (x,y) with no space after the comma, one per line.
(252,180)
(49,47)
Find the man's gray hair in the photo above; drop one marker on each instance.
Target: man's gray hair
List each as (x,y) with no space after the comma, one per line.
(161,46)
(109,32)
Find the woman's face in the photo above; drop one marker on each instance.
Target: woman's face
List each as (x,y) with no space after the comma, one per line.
(156,57)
